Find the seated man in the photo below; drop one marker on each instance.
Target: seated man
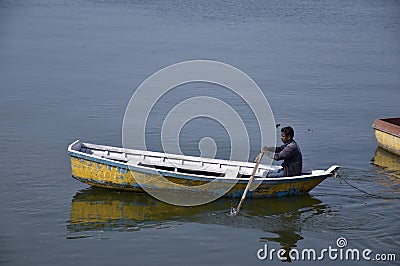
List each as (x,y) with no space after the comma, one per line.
(289,152)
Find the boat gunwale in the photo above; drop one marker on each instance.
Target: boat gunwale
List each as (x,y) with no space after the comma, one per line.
(172,156)
(79,154)
(386,125)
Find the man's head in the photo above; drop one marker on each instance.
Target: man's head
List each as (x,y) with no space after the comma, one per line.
(287,134)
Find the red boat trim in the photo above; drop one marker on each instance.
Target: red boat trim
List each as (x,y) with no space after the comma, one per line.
(388,125)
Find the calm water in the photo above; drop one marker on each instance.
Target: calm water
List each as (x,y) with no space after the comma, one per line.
(68,69)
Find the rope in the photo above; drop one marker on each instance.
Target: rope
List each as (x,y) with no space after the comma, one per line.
(363,191)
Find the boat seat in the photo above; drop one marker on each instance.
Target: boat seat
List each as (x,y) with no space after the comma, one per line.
(115,157)
(134,161)
(231,172)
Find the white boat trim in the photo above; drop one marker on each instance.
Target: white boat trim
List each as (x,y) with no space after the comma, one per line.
(132,158)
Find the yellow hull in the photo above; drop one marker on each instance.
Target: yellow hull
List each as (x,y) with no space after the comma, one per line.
(101,173)
(387,132)
(388,141)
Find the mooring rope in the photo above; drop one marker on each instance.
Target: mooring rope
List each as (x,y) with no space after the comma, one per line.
(363,191)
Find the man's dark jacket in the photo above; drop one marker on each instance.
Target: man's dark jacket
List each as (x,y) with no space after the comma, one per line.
(291,154)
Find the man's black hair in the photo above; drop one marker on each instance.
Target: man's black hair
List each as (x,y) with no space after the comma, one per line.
(288,131)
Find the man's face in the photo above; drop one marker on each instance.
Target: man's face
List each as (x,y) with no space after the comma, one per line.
(285,138)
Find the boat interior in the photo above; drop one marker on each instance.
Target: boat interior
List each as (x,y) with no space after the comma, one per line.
(174,163)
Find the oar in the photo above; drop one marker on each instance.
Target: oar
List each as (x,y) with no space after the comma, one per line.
(257,161)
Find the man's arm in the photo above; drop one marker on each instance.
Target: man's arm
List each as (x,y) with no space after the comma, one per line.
(272,149)
(271,152)
(286,152)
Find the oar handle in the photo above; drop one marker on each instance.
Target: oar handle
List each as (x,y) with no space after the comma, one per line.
(257,161)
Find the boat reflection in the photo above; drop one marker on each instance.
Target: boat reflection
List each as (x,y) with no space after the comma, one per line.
(388,165)
(100,209)
(386,160)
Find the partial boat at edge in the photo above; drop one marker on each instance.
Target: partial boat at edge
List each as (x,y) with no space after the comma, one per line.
(387,132)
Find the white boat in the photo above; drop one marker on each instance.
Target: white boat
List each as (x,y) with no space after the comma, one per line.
(119,168)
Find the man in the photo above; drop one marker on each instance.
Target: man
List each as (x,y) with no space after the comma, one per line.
(289,152)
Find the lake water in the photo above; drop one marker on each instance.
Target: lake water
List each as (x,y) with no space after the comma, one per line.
(69,68)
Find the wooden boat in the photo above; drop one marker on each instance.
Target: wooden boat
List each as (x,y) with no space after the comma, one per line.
(119,168)
(387,132)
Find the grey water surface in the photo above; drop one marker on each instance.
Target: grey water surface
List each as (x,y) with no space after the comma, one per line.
(69,68)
